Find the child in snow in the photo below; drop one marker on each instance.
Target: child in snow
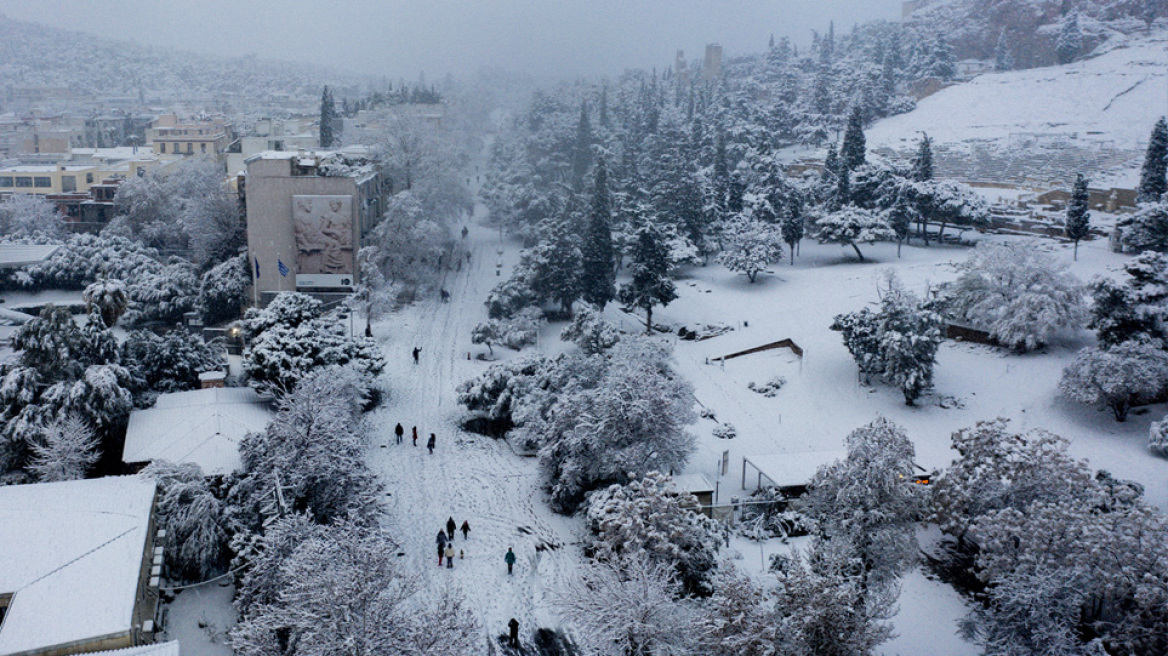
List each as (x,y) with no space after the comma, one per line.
(450,555)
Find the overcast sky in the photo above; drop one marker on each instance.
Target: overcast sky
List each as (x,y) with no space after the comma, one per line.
(400,38)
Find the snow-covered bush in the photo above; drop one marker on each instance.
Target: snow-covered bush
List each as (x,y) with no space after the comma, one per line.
(1120,377)
(170,362)
(633,420)
(648,518)
(870,502)
(163,295)
(754,245)
(67,449)
(495,394)
(514,333)
(1137,308)
(108,297)
(289,309)
(725,431)
(590,331)
(510,296)
(769,389)
(194,519)
(1017,293)
(1158,437)
(766,515)
(221,291)
(277,359)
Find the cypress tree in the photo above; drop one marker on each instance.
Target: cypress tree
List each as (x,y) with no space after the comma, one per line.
(582,150)
(853,151)
(650,285)
(831,165)
(603,117)
(1003,58)
(328,112)
(922,168)
(598,277)
(1078,222)
(792,227)
(1154,174)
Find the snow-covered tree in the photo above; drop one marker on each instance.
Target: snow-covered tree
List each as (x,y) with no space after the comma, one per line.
(1154,173)
(1018,293)
(650,285)
(317,448)
(510,296)
(791,228)
(496,394)
(554,265)
(1146,229)
(28,216)
(108,297)
(647,518)
(946,203)
(282,355)
(738,619)
(853,151)
(409,242)
(66,450)
(597,276)
(1120,376)
(631,421)
(328,115)
(221,291)
(852,226)
(870,501)
(1138,308)
(1003,56)
(753,246)
(1158,437)
(629,606)
(170,362)
(163,295)
(339,594)
(194,519)
(1078,220)
(590,331)
(922,164)
(290,309)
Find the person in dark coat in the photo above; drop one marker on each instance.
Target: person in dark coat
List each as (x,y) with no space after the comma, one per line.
(430,443)
(450,526)
(513,625)
(465,528)
(441,546)
(415,436)
(510,559)
(417,350)
(399,431)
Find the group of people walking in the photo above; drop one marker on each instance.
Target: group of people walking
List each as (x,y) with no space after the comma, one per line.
(446,542)
(400,432)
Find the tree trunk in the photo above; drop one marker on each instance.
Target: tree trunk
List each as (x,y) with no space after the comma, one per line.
(752,275)
(898,244)
(1120,408)
(941,235)
(792,254)
(858,253)
(649,320)
(1076,250)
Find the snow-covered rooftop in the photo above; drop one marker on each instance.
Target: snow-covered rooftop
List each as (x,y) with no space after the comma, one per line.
(792,469)
(18,255)
(692,483)
(70,556)
(159,649)
(201,426)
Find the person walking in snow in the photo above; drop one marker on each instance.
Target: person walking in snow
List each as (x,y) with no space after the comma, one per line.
(465,528)
(430,443)
(441,546)
(450,555)
(510,559)
(513,625)
(415,436)
(450,526)
(399,431)
(417,350)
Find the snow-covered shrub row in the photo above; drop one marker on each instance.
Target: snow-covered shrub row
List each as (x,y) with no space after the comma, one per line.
(648,518)
(769,389)
(1043,532)
(1017,293)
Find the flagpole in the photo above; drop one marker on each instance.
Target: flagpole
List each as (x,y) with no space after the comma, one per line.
(255,284)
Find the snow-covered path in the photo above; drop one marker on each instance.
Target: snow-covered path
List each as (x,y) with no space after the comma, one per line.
(469,477)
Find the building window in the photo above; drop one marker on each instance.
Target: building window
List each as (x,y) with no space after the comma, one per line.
(162,148)
(42,182)
(5,181)
(24,182)
(203,148)
(190,148)
(68,183)
(88,178)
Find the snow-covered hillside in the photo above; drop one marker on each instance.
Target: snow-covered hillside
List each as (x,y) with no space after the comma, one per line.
(1107,102)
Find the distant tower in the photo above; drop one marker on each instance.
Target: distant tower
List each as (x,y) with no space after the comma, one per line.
(712,66)
(681,68)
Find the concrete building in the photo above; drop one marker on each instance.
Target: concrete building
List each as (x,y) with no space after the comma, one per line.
(79,571)
(169,136)
(712,64)
(308,213)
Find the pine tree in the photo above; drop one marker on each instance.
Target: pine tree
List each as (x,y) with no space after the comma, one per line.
(603,115)
(792,227)
(1003,58)
(1070,40)
(853,150)
(1078,221)
(651,285)
(831,165)
(1154,174)
(582,150)
(328,111)
(598,278)
(900,220)
(922,167)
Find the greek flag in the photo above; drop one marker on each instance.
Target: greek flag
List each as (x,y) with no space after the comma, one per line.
(257,261)
(282,267)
